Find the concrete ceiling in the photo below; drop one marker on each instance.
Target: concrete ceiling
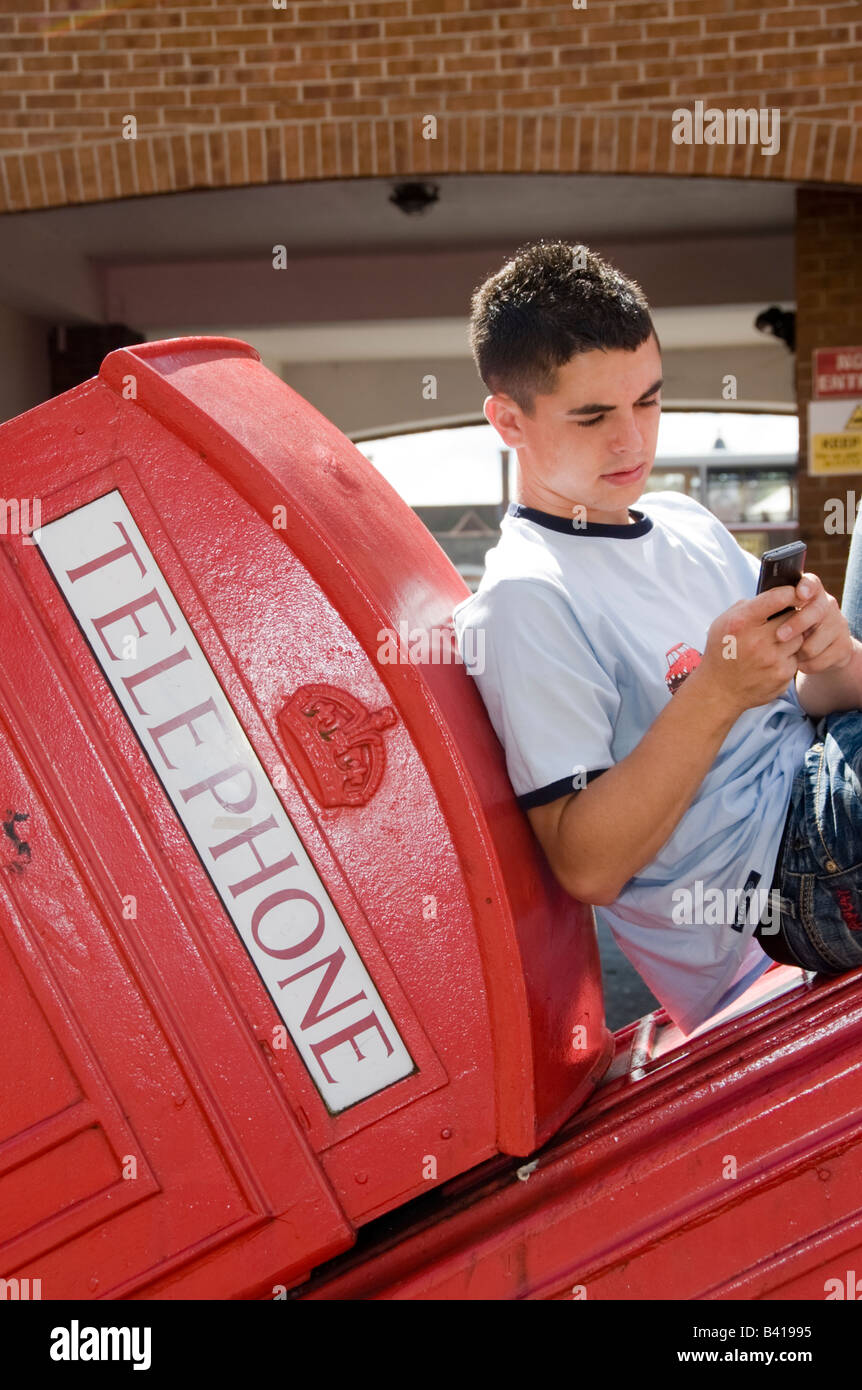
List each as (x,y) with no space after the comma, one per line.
(83,263)
(472,209)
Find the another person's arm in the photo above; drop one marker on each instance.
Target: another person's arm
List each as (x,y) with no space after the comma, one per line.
(830,661)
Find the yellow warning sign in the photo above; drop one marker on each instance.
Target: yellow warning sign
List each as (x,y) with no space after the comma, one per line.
(836,453)
(835,436)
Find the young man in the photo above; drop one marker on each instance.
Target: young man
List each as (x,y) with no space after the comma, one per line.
(655,729)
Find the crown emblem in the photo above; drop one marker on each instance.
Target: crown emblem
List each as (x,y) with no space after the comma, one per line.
(336,743)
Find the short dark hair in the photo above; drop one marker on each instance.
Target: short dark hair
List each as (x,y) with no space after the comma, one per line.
(551,301)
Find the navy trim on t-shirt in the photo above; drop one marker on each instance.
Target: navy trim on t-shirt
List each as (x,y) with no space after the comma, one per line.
(554,790)
(639,527)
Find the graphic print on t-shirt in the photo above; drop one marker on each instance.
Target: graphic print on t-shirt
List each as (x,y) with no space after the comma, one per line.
(681,661)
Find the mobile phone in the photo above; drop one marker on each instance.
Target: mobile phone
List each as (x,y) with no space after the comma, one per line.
(783,565)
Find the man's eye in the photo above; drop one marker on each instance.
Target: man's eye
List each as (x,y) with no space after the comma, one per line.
(585,424)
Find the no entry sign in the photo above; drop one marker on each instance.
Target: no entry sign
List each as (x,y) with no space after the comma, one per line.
(837,372)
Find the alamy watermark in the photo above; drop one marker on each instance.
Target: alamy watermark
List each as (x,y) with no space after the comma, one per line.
(840,514)
(735,126)
(25,514)
(435,646)
(18,1290)
(77,1343)
(722,907)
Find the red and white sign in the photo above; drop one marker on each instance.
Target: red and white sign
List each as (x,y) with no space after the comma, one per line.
(837,372)
(207,766)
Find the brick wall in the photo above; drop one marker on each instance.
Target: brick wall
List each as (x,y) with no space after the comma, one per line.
(829,314)
(243,93)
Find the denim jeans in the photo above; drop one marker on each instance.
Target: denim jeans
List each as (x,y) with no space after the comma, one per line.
(819,870)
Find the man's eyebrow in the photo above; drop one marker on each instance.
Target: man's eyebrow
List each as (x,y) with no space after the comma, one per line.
(598,409)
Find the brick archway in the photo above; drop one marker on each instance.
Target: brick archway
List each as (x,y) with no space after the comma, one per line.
(823,151)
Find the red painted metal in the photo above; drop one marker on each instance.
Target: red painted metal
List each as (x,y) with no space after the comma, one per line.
(154,1142)
(726,1169)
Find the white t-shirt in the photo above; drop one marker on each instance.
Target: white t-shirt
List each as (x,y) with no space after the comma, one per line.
(577,638)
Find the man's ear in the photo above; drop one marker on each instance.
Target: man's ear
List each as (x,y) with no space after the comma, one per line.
(503,414)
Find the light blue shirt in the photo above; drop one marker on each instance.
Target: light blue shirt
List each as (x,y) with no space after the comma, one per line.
(577,638)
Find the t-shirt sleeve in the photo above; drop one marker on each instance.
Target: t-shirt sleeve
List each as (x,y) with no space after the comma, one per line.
(551,702)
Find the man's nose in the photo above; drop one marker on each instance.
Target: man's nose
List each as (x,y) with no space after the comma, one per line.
(627,436)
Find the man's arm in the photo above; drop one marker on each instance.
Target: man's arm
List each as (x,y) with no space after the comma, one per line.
(830,660)
(597,838)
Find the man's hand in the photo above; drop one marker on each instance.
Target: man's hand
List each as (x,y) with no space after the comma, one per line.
(742,664)
(828,643)
(829,662)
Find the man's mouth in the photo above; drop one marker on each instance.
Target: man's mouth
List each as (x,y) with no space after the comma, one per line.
(627,475)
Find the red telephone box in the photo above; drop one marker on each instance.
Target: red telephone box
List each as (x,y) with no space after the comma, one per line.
(279,952)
